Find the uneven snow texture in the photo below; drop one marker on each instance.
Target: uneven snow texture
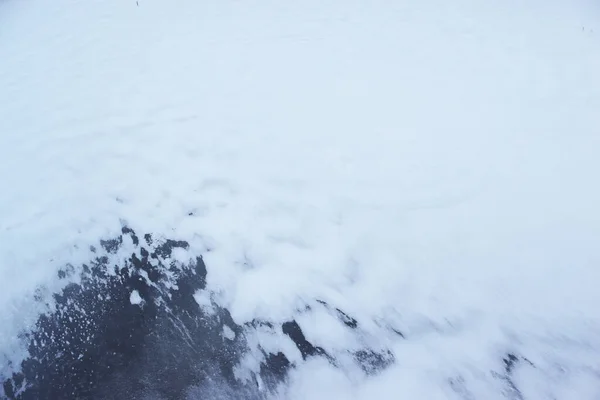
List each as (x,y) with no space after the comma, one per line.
(94,342)
(430,168)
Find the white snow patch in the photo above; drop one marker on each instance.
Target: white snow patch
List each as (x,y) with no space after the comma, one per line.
(323,329)
(228,333)
(204,300)
(182,256)
(135,298)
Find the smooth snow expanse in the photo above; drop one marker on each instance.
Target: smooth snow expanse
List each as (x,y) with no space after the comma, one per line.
(430,166)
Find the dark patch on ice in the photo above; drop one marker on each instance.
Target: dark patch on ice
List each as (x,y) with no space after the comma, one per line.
(372,361)
(131,233)
(132,330)
(512,361)
(276,364)
(509,363)
(112,245)
(256,323)
(397,332)
(369,360)
(96,344)
(274,369)
(148,239)
(345,318)
(292,329)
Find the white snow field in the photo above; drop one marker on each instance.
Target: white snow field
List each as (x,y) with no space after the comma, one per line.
(428,166)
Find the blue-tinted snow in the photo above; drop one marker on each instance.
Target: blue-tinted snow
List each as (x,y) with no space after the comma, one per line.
(427,168)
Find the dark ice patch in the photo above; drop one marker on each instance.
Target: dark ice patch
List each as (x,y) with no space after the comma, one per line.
(131,233)
(372,361)
(112,245)
(512,361)
(294,332)
(276,364)
(346,319)
(369,360)
(397,332)
(342,316)
(96,344)
(509,362)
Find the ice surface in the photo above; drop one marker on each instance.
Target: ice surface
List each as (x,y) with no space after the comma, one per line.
(428,167)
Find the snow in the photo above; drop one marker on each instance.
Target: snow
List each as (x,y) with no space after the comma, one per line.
(203,298)
(430,165)
(135,298)
(228,333)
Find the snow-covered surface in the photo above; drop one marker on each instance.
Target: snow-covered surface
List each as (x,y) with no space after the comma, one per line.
(228,333)
(135,297)
(429,166)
